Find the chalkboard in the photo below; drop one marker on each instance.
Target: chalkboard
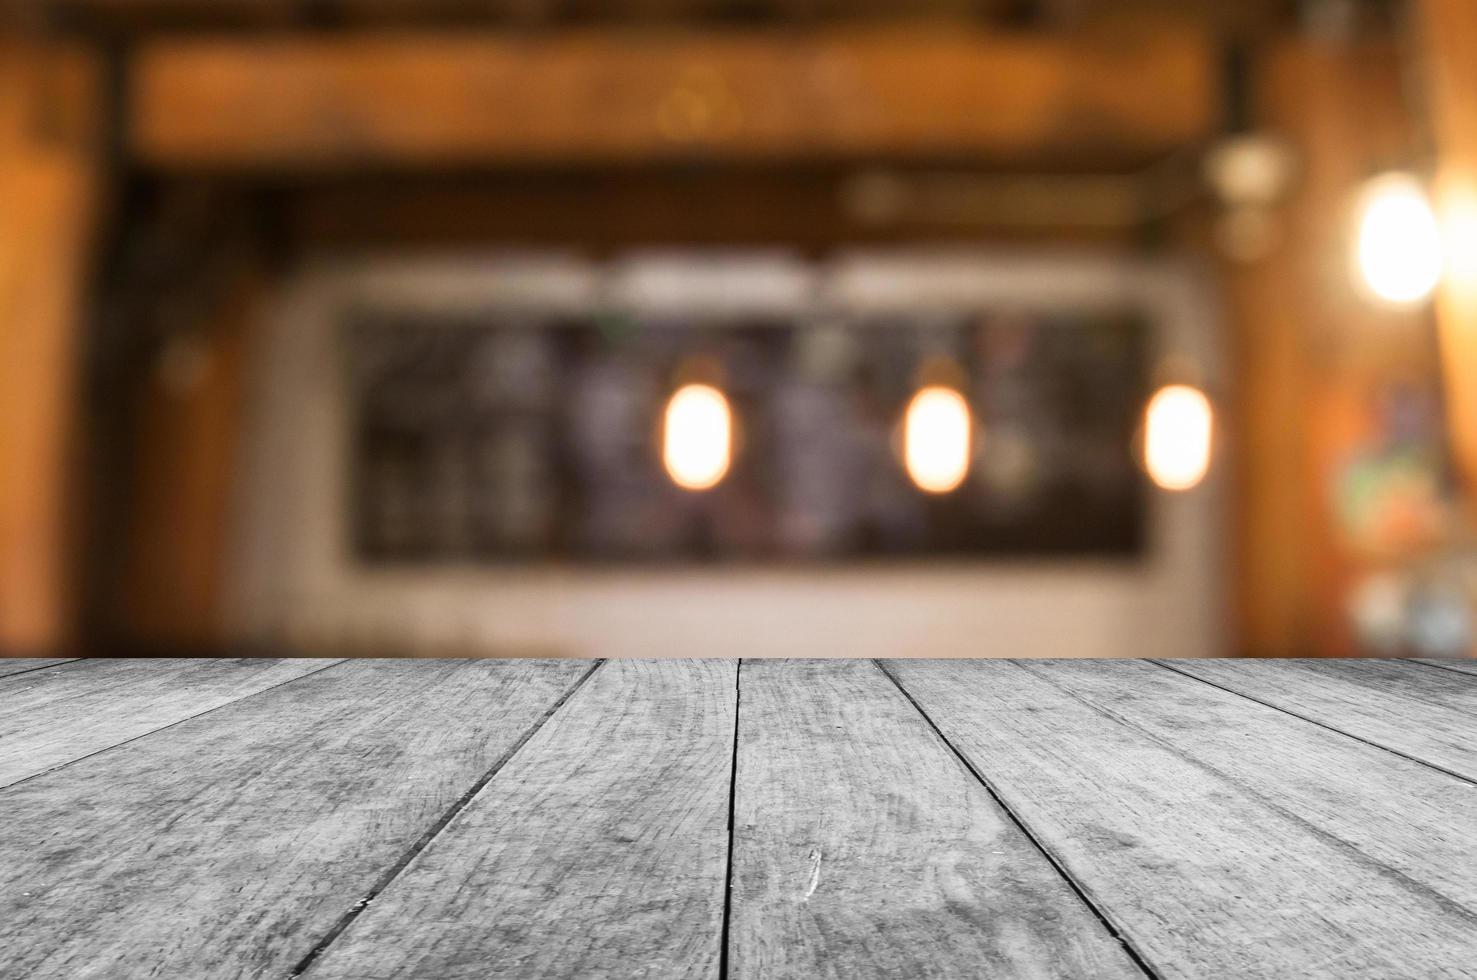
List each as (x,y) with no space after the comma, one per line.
(506,435)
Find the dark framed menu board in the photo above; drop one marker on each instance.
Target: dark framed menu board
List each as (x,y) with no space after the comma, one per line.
(506,435)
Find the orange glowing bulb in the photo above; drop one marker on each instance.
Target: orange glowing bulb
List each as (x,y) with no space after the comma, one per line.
(1178,422)
(936,437)
(697,437)
(1398,248)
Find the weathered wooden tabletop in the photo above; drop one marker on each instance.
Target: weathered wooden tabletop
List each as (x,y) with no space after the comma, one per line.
(515,818)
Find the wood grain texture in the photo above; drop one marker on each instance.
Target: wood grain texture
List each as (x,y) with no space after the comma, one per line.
(1424,713)
(229,845)
(21,665)
(387,100)
(1418,822)
(49,718)
(864,848)
(600,850)
(1204,877)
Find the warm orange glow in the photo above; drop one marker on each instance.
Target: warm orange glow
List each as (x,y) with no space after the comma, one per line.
(936,432)
(1177,437)
(1399,249)
(697,438)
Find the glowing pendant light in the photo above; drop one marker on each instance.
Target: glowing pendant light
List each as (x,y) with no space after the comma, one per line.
(1178,426)
(1398,250)
(697,437)
(936,439)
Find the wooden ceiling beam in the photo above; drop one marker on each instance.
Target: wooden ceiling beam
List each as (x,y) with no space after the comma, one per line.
(368,102)
(1243,18)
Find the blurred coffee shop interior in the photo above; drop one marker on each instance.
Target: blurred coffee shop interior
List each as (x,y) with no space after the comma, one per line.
(738,327)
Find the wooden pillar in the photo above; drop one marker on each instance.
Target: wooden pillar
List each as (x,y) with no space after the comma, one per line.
(1448,32)
(47,198)
(1310,351)
(189,418)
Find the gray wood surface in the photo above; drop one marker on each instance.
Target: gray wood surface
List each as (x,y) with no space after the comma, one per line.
(20,665)
(786,819)
(51,717)
(1203,875)
(600,850)
(231,844)
(863,847)
(1461,666)
(1418,822)
(1422,712)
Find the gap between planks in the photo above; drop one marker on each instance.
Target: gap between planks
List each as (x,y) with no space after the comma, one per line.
(1168,665)
(1099,911)
(422,842)
(723,933)
(5,672)
(1456,666)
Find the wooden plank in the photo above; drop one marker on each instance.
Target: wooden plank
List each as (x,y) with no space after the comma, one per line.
(1202,876)
(1420,822)
(387,100)
(52,717)
(230,845)
(21,665)
(1425,714)
(600,850)
(863,847)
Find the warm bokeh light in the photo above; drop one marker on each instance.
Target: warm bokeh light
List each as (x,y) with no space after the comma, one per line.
(936,433)
(1457,206)
(697,437)
(1177,437)
(1399,240)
